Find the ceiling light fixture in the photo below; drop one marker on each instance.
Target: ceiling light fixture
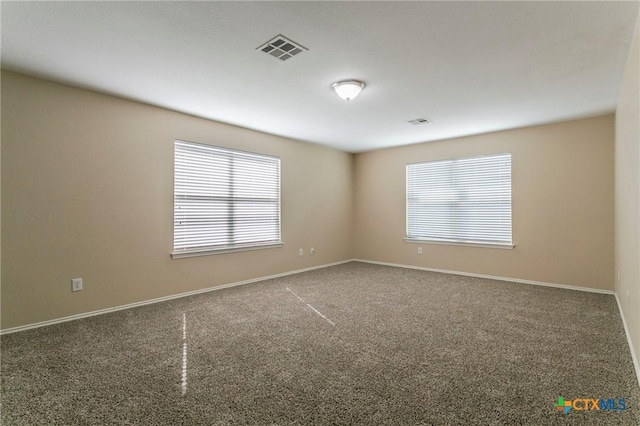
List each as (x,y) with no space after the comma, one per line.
(348,89)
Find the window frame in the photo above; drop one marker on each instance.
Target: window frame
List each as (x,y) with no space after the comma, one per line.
(453,241)
(230,247)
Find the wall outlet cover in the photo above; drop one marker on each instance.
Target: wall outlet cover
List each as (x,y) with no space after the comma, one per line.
(76,284)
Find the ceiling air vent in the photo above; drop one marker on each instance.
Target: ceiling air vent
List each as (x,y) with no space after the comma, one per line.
(417,121)
(282,48)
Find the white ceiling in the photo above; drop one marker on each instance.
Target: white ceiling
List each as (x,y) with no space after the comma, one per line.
(470,67)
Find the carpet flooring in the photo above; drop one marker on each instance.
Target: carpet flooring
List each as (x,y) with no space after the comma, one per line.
(352,344)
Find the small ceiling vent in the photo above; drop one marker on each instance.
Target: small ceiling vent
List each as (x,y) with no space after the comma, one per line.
(417,121)
(282,48)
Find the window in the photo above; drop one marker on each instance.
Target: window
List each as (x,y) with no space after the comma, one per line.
(462,200)
(224,200)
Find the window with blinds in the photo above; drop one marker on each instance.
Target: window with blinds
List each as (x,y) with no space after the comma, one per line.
(461,200)
(224,200)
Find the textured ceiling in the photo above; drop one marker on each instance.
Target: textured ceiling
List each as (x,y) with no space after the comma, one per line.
(469,67)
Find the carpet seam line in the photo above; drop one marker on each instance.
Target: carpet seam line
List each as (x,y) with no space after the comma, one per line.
(163,299)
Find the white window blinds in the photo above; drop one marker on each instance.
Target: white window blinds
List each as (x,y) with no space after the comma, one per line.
(224,199)
(462,200)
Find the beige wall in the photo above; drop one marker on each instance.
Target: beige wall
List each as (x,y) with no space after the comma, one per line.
(87,192)
(87,187)
(627,195)
(562,189)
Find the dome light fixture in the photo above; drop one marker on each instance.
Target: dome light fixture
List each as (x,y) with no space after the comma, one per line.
(348,89)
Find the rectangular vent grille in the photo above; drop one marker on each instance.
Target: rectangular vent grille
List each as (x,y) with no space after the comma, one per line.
(282,48)
(418,121)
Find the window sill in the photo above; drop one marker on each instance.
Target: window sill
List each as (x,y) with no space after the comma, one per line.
(209,252)
(464,244)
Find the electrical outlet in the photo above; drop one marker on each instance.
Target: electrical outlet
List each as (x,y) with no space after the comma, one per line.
(419,250)
(312,250)
(76,284)
(300,252)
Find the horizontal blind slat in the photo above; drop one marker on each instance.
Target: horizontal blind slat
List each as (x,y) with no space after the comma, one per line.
(461,199)
(224,198)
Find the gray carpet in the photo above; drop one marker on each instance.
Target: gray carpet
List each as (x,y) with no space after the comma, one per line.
(351,344)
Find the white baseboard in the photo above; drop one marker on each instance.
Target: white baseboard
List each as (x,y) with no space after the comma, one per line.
(636,364)
(634,357)
(163,299)
(491,277)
